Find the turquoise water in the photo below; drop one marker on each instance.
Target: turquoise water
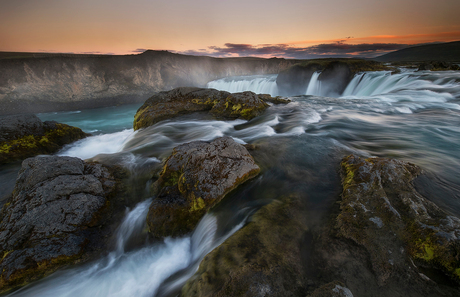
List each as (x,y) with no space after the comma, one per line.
(96,121)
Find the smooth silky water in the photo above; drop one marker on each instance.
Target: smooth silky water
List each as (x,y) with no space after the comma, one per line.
(412,116)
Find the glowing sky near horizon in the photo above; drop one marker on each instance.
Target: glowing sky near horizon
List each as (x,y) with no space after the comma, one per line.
(224,28)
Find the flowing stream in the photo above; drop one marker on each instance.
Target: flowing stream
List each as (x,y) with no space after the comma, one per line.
(412,116)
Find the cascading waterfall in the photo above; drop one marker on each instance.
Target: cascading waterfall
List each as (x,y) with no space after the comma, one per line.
(139,272)
(259,84)
(404,86)
(314,86)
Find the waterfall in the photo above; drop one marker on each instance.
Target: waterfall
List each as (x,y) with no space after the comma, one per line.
(259,84)
(314,86)
(140,272)
(426,86)
(406,86)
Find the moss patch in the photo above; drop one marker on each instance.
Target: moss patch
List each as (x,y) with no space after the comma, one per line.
(32,145)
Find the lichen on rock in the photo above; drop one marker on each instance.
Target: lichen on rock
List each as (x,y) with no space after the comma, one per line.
(382,211)
(194,178)
(221,104)
(23,136)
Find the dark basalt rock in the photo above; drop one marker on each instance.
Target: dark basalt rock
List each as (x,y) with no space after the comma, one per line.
(195,177)
(382,212)
(222,105)
(23,136)
(261,259)
(384,240)
(295,79)
(53,217)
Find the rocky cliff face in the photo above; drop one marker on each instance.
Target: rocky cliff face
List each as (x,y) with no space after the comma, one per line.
(66,82)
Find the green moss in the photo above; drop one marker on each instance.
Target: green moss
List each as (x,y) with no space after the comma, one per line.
(426,250)
(5,148)
(5,253)
(31,145)
(457,272)
(197,204)
(40,269)
(171,179)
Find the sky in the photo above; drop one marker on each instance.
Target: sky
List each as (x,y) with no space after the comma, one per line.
(300,29)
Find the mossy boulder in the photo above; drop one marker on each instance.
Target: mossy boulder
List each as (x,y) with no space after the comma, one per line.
(221,104)
(261,259)
(195,177)
(335,75)
(53,217)
(23,136)
(382,212)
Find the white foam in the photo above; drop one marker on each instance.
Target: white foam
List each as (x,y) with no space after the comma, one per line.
(99,144)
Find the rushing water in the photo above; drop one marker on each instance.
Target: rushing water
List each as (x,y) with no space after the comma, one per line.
(412,116)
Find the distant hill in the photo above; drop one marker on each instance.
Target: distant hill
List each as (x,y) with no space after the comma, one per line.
(449,52)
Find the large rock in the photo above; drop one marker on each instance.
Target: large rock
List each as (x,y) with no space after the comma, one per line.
(261,259)
(53,217)
(23,136)
(384,240)
(195,177)
(221,104)
(382,212)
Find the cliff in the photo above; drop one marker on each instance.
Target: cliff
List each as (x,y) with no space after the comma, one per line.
(54,82)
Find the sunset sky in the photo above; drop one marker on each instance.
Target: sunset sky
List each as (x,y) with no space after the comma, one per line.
(266,28)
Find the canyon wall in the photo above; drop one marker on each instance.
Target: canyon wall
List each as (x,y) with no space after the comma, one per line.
(52,82)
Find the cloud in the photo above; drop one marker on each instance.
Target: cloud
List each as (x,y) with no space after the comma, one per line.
(335,49)
(139,50)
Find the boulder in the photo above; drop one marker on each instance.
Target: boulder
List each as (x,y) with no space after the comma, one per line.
(53,217)
(23,136)
(381,211)
(179,101)
(195,177)
(261,259)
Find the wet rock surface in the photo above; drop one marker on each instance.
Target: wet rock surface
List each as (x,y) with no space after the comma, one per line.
(195,177)
(53,217)
(23,136)
(399,228)
(381,239)
(221,104)
(261,259)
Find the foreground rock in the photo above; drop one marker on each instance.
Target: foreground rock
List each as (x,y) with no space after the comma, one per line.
(23,136)
(384,240)
(195,177)
(335,75)
(221,104)
(382,212)
(262,259)
(53,217)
